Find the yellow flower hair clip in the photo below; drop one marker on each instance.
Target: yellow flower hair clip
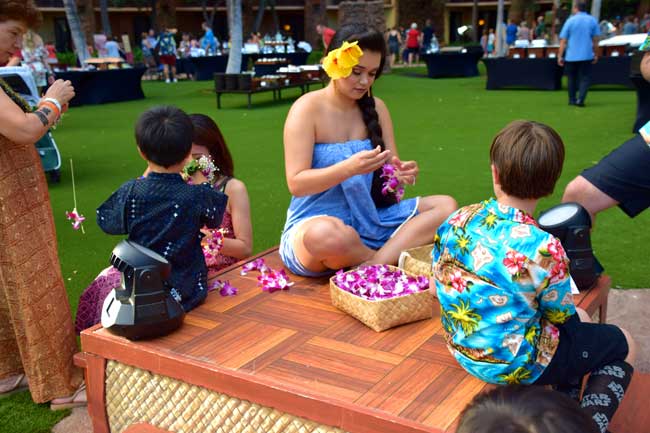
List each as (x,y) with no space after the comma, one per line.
(339,62)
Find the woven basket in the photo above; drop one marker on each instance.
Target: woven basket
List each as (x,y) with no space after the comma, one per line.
(385,313)
(417,261)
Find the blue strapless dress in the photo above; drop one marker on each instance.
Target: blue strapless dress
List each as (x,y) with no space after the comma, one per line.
(350,201)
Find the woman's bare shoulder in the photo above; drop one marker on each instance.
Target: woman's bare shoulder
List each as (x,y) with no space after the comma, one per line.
(379,103)
(235,186)
(309,103)
(382,109)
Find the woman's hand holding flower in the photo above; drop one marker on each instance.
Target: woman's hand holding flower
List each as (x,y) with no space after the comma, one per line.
(407,171)
(366,161)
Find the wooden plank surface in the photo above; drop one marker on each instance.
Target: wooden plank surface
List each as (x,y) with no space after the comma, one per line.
(294,351)
(633,415)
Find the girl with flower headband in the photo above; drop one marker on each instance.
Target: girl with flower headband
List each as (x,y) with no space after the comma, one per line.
(236,227)
(334,139)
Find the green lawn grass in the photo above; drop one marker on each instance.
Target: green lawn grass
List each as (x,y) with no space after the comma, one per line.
(19,414)
(446,125)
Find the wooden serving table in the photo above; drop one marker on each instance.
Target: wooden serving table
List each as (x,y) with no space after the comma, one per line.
(280,362)
(304,87)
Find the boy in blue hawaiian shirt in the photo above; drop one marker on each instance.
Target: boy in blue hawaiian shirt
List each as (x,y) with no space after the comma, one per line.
(504,286)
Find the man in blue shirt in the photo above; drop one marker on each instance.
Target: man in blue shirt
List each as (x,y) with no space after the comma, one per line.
(113,48)
(511,33)
(579,39)
(152,38)
(209,42)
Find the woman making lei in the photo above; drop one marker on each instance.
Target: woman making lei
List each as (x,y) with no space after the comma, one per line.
(334,140)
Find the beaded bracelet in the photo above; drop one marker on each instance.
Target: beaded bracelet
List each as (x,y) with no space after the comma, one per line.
(50,105)
(55,102)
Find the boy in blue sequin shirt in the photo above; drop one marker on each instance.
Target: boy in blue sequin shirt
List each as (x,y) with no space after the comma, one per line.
(161,211)
(504,286)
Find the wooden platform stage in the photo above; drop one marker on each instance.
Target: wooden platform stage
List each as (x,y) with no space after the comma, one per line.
(289,361)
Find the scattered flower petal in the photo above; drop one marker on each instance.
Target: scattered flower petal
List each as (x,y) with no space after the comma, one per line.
(76,218)
(255,265)
(225,288)
(272,280)
(269,279)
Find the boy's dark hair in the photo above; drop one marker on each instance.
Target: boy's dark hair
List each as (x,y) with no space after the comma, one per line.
(164,135)
(582,6)
(528,157)
(524,409)
(208,134)
(370,40)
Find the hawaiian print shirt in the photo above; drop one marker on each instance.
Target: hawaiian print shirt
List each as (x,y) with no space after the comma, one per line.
(503,284)
(167,44)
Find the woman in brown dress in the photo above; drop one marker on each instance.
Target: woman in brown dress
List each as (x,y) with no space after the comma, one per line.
(37,339)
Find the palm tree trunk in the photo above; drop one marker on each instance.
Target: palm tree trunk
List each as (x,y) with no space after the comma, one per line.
(236,36)
(516,12)
(644,8)
(260,15)
(86,12)
(499,45)
(248,15)
(167,13)
(78,36)
(274,14)
(208,18)
(153,18)
(556,6)
(475,21)
(595,9)
(106,23)
(315,13)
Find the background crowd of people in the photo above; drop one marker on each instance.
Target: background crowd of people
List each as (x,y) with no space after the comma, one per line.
(405,45)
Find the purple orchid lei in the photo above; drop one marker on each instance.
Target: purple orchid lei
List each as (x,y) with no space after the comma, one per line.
(213,245)
(269,279)
(391,182)
(377,282)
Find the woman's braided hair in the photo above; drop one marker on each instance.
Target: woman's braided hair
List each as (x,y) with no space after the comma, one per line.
(369,40)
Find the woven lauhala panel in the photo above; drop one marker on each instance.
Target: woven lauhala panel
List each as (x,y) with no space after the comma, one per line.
(138,396)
